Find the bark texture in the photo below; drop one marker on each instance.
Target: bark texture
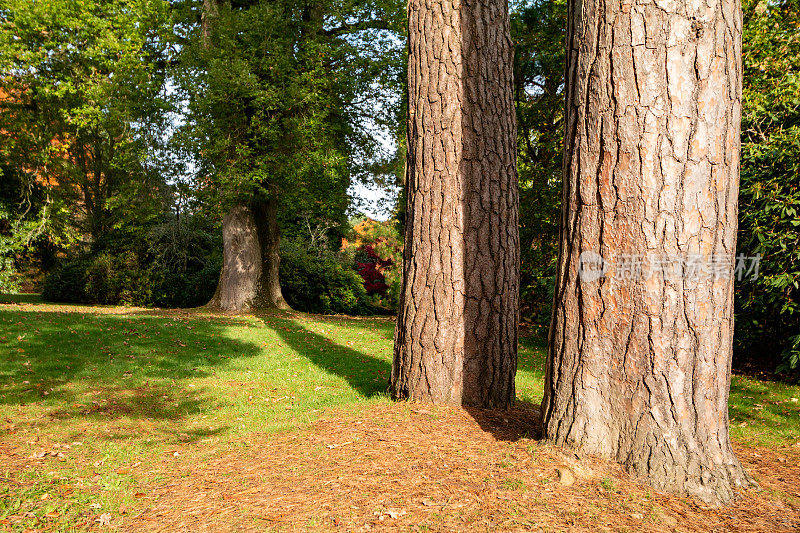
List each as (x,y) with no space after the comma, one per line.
(251,260)
(456,334)
(639,368)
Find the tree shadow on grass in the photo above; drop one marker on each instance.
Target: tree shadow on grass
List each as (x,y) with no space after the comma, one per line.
(106,366)
(20,298)
(367,374)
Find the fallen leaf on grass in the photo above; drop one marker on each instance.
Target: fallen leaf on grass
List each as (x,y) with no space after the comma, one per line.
(104,519)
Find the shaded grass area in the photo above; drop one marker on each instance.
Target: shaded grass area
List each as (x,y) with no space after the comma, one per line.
(20,298)
(121,399)
(765,413)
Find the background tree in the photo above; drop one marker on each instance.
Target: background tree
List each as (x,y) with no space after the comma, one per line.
(83,104)
(639,365)
(276,121)
(456,334)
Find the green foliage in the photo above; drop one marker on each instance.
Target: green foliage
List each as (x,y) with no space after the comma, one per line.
(124,280)
(538,29)
(67,283)
(29,229)
(184,261)
(768,308)
(277,94)
(100,279)
(319,281)
(84,105)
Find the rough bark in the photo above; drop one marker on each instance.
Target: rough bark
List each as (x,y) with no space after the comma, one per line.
(639,365)
(251,260)
(456,333)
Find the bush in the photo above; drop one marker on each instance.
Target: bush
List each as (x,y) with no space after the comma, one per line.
(375,250)
(768,307)
(123,280)
(185,262)
(66,283)
(99,279)
(186,289)
(370,267)
(318,281)
(177,266)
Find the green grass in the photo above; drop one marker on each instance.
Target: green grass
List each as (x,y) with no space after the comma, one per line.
(127,391)
(765,413)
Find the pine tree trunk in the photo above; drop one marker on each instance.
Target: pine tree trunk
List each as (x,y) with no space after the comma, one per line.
(456,334)
(251,260)
(639,364)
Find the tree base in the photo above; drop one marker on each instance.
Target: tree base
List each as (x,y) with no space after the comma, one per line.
(715,480)
(249,277)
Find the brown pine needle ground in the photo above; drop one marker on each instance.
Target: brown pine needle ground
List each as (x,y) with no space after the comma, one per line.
(411,467)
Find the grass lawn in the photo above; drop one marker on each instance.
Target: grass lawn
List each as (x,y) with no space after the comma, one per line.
(102,407)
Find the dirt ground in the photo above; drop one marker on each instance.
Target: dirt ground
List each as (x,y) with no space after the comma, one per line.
(410,467)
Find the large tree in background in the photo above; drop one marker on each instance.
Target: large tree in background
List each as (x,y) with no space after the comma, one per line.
(274,90)
(456,334)
(639,364)
(83,107)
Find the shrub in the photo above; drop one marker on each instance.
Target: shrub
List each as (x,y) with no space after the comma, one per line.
(185,262)
(768,307)
(186,289)
(123,280)
(376,251)
(99,279)
(318,281)
(66,283)
(177,266)
(370,267)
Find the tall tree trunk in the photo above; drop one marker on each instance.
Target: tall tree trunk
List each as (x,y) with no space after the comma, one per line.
(251,259)
(456,334)
(207,16)
(639,363)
